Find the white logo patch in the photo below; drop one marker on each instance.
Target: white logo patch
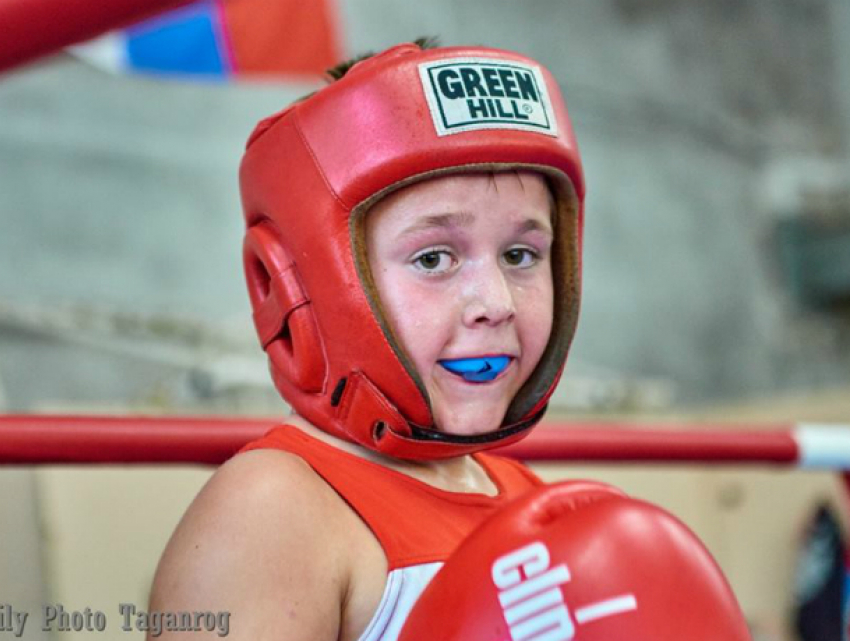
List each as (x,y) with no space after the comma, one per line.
(465,94)
(532,601)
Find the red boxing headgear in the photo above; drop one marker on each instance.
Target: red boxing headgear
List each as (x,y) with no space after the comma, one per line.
(310,174)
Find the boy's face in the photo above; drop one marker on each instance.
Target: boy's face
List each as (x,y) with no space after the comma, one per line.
(462,266)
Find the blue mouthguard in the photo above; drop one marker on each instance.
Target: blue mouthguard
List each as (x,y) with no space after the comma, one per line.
(477,370)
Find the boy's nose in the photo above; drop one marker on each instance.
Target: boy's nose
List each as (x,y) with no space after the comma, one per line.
(490,302)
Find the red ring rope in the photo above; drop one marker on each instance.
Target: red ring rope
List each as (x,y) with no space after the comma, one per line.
(34,28)
(42,439)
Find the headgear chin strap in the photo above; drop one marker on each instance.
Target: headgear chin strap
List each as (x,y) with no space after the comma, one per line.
(310,174)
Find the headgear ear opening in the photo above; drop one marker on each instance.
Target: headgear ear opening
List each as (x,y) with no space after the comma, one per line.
(282,314)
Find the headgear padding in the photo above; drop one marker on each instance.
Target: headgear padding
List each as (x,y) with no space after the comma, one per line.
(310,174)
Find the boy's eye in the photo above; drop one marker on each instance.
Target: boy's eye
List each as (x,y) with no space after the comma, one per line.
(520,257)
(434,261)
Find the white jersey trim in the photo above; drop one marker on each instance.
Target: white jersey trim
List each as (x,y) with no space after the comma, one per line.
(402,590)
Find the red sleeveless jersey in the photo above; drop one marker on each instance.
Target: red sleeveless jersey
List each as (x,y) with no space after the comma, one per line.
(414,522)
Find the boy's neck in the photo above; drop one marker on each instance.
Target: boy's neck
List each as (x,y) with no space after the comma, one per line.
(462,474)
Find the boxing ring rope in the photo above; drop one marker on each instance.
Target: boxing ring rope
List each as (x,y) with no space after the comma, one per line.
(35,28)
(38,439)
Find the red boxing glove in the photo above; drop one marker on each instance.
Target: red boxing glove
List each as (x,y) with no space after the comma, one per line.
(579,560)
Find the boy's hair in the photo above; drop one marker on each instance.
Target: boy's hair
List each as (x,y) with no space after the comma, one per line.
(338,71)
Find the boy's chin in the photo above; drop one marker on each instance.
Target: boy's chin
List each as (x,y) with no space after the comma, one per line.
(470,423)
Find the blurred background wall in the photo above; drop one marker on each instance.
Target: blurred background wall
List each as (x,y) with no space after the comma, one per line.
(715,141)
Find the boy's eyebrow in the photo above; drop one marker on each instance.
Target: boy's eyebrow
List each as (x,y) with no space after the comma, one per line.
(532,224)
(444,221)
(461,219)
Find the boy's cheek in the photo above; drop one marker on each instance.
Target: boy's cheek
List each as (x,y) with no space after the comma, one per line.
(421,315)
(428,297)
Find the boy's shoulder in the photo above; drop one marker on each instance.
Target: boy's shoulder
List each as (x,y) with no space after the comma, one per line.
(264,524)
(269,488)
(260,474)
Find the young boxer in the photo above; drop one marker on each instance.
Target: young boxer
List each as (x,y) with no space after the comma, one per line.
(413,255)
